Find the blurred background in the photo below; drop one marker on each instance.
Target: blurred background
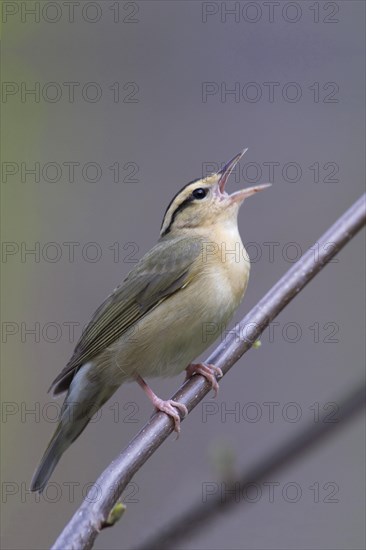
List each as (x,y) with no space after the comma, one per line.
(108,108)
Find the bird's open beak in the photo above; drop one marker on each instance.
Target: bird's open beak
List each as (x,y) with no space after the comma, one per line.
(227,169)
(238,196)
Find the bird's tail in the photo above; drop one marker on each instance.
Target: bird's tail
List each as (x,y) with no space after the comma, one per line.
(52,455)
(64,435)
(82,401)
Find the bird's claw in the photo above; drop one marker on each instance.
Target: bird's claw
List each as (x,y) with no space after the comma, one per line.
(170,408)
(210,372)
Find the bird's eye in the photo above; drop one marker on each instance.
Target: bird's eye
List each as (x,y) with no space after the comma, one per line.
(199,193)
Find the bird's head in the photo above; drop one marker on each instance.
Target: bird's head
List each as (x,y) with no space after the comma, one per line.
(204,202)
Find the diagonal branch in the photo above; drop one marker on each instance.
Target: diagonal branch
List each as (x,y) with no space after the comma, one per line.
(91,517)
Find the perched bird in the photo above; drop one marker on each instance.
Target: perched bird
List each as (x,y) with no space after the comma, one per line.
(156,321)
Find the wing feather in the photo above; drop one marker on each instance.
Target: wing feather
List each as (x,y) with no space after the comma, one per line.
(159,274)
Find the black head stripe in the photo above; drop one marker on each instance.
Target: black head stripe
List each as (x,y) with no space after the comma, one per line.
(173,199)
(179,208)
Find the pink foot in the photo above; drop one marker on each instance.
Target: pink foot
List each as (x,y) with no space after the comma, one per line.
(169,406)
(208,371)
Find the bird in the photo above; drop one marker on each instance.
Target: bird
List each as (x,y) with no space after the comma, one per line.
(169,308)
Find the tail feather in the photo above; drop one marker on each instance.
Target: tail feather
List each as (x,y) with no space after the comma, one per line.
(83,399)
(52,455)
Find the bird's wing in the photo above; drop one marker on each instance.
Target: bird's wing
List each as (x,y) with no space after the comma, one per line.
(160,273)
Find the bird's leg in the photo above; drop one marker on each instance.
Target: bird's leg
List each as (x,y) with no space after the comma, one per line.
(208,371)
(164,406)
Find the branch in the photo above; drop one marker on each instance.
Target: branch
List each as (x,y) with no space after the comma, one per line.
(91,517)
(200,513)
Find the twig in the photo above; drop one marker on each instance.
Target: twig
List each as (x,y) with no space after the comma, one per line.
(200,513)
(91,517)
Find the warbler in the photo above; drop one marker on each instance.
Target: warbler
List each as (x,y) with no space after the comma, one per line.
(154,323)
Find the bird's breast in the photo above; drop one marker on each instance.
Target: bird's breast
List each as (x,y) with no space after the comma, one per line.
(225,263)
(181,327)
